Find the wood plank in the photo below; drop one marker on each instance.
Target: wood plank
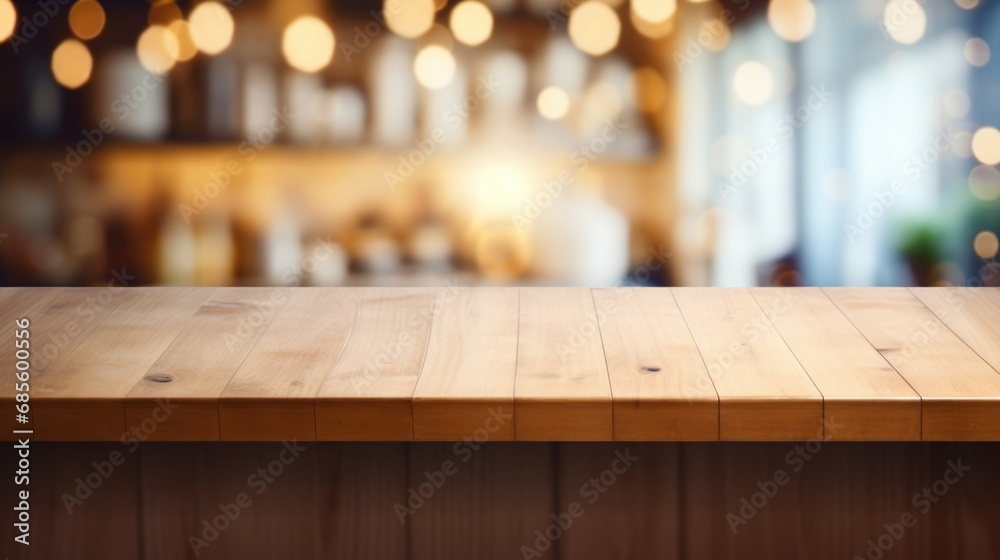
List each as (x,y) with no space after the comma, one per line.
(16,304)
(84,501)
(863,396)
(368,393)
(487,499)
(358,486)
(661,388)
(627,500)
(466,385)
(764,394)
(195,369)
(971,313)
(960,392)
(562,390)
(82,396)
(228,500)
(830,498)
(272,395)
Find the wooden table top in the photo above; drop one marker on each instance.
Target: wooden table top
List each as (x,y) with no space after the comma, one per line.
(506,363)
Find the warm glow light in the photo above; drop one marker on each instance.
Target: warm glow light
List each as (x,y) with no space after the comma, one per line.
(72,63)
(649,29)
(186,48)
(499,190)
(308,44)
(967,4)
(649,90)
(8,19)
(438,35)
(164,12)
(594,28)
(986,145)
(792,20)
(654,11)
(408,18)
(753,83)
(471,22)
(553,103)
(502,252)
(158,49)
(984,183)
(986,244)
(211,27)
(905,21)
(977,52)
(86,19)
(717,33)
(434,67)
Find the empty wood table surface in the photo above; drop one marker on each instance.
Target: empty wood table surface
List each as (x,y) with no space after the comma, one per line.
(634,364)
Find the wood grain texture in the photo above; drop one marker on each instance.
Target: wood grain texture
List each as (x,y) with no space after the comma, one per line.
(84,502)
(272,395)
(971,313)
(506,363)
(368,393)
(82,396)
(677,500)
(764,394)
(661,388)
(960,392)
(17,304)
(487,502)
(627,496)
(358,487)
(864,398)
(467,381)
(228,500)
(562,391)
(198,365)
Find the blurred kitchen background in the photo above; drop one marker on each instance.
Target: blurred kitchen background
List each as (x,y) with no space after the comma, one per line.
(428,142)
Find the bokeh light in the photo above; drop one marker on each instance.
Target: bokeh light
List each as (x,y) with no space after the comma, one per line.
(471,22)
(8,19)
(905,21)
(753,83)
(986,145)
(553,103)
(986,244)
(717,35)
(434,67)
(308,44)
(158,49)
(409,18)
(594,28)
(164,12)
(651,30)
(984,183)
(977,52)
(211,27)
(654,11)
(792,20)
(72,64)
(86,19)
(186,48)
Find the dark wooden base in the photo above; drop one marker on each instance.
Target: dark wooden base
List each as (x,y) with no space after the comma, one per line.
(672,500)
